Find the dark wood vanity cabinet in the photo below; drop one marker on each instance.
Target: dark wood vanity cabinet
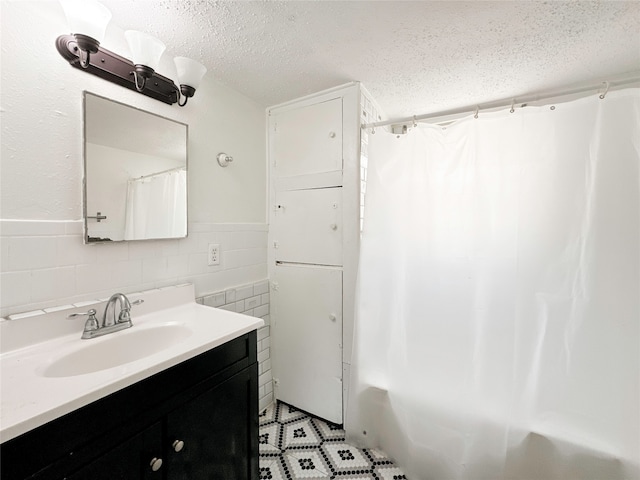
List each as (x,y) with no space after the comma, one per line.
(212,415)
(129,459)
(196,420)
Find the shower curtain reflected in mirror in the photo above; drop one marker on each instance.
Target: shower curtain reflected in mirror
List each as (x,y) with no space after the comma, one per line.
(156,206)
(498,337)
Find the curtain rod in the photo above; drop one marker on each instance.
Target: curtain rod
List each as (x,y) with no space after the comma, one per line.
(521,101)
(176,169)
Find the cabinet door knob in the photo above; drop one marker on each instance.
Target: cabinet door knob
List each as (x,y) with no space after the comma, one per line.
(155,464)
(334,226)
(178,445)
(332,317)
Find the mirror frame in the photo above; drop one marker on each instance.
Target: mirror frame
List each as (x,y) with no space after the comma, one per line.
(86,238)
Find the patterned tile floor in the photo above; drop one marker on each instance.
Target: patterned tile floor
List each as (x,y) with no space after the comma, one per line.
(294,445)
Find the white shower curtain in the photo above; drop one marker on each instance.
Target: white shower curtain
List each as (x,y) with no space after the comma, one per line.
(498,303)
(157,206)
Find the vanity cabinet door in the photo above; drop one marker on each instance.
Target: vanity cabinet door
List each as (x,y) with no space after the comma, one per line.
(130,460)
(218,431)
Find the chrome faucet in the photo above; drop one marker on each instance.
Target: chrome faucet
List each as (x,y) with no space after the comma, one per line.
(123,316)
(111,322)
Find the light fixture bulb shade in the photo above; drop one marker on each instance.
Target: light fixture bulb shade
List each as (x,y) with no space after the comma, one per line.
(190,72)
(87,17)
(145,49)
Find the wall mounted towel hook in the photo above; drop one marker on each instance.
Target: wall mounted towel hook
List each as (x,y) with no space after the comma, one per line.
(224,159)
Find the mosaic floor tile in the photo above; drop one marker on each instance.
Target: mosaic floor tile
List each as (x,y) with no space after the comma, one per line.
(367,475)
(292,468)
(269,438)
(286,413)
(294,445)
(375,455)
(268,469)
(389,472)
(307,464)
(345,458)
(268,415)
(299,433)
(328,431)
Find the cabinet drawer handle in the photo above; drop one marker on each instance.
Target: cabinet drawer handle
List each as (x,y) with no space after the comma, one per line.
(155,464)
(178,445)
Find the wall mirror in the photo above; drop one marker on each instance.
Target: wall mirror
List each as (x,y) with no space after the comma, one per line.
(135,173)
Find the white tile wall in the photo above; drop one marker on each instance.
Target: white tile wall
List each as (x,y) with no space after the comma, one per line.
(45,264)
(243,299)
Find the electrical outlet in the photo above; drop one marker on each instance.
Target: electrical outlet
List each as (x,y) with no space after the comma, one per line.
(213,257)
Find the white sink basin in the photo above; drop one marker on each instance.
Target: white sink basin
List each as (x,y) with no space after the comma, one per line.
(115,349)
(47,371)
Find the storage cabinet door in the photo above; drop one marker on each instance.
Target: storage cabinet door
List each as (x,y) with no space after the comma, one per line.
(308,226)
(307,339)
(218,431)
(130,460)
(308,140)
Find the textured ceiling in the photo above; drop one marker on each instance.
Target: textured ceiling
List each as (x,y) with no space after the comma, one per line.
(414,57)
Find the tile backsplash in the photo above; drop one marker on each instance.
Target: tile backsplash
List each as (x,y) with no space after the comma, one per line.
(44,263)
(251,299)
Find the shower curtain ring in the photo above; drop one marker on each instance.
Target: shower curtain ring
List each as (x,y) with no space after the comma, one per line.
(606,89)
(414,122)
(476,114)
(513,102)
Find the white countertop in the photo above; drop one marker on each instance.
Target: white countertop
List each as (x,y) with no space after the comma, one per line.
(30,399)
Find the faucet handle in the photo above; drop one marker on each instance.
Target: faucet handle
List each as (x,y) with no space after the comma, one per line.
(125,316)
(90,313)
(90,325)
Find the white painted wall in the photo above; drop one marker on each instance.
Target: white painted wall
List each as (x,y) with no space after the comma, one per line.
(42,127)
(41,174)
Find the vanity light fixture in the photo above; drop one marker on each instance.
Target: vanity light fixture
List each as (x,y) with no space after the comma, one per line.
(91,18)
(190,75)
(146,51)
(88,20)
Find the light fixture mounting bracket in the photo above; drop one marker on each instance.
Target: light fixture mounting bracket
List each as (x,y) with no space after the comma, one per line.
(114,68)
